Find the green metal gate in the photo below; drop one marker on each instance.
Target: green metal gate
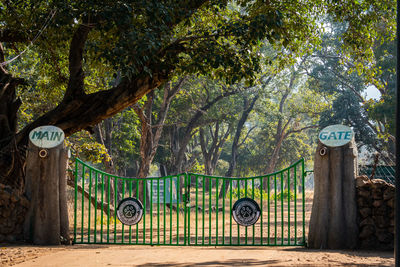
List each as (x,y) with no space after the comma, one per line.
(190,209)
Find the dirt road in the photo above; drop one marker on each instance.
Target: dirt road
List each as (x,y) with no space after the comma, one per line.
(104,255)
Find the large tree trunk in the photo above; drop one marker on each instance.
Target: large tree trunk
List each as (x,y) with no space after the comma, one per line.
(248,107)
(46,222)
(106,140)
(179,150)
(211,155)
(11,154)
(333,222)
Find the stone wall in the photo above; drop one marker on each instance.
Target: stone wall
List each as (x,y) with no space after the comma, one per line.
(375,200)
(13,207)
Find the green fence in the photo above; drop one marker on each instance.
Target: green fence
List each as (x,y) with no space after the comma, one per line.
(190,209)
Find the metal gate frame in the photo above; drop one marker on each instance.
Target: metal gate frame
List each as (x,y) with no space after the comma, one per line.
(200,216)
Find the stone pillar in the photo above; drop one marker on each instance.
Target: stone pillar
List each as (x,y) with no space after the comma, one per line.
(333,223)
(46,222)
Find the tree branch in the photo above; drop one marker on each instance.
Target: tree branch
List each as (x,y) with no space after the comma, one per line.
(11,36)
(75,87)
(299,130)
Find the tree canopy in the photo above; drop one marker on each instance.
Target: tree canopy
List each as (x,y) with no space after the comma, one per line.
(75,63)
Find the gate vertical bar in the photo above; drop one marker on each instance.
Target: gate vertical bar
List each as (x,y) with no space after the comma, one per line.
(130,226)
(223,210)
(76,196)
(165,213)
(261,208)
(303,198)
(178,199)
(115,208)
(204,189)
(230,210)
(144,209)
(137,225)
(187,206)
(108,209)
(102,207)
(276,206)
(269,208)
(209,209)
(151,210)
(123,196)
(90,198)
(295,204)
(170,210)
(252,195)
(288,183)
(83,200)
(245,195)
(216,210)
(197,206)
(238,227)
(95,208)
(158,211)
(282,213)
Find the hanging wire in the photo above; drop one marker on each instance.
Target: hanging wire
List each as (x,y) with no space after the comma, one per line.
(47,22)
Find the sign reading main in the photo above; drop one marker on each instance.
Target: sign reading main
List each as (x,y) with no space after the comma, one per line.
(336,135)
(46,136)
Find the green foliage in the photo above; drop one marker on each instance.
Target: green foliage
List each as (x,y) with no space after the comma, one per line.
(242,193)
(86,148)
(222,46)
(286,194)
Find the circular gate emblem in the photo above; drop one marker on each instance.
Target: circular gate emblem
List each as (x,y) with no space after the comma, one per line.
(130,211)
(246,211)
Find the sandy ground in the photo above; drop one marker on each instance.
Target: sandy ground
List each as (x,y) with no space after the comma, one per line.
(104,255)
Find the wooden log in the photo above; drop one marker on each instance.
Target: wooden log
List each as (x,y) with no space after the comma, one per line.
(46,222)
(95,203)
(333,222)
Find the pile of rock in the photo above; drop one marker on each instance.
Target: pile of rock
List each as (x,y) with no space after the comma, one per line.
(13,207)
(375,200)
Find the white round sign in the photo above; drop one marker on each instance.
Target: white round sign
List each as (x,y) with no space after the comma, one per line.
(336,135)
(130,211)
(46,136)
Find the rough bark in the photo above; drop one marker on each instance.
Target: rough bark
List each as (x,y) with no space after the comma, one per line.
(46,222)
(151,134)
(11,154)
(248,107)
(181,143)
(212,154)
(333,223)
(106,140)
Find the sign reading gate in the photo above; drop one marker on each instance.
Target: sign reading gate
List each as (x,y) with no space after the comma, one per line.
(336,135)
(46,136)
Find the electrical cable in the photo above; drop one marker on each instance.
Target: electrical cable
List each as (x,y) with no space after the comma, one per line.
(47,22)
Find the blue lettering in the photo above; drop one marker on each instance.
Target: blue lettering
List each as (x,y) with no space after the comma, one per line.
(332,134)
(322,135)
(347,135)
(340,135)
